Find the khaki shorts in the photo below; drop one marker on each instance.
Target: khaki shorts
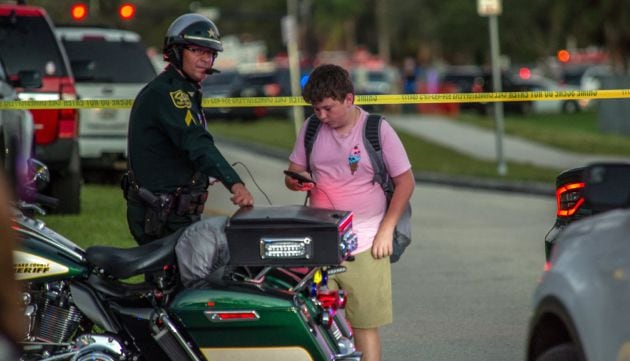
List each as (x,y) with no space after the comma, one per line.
(369,283)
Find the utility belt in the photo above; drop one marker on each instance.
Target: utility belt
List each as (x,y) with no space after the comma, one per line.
(185,201)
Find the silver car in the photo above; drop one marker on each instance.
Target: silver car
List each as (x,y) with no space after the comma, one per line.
(582,305)
(107,64)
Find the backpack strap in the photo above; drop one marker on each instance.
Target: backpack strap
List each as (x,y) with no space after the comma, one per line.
(372,143)
(312,128)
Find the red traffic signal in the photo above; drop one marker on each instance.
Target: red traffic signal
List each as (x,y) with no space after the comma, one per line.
(127,11)
(78,11)
(564,56)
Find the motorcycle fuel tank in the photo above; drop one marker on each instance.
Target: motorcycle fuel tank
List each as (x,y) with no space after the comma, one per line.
(45,255)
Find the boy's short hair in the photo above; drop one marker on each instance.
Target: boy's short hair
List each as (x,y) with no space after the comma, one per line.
(328,81)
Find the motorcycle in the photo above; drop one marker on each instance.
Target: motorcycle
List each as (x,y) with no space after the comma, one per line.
(271,304)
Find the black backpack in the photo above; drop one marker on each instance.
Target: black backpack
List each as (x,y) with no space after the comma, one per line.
(372,142)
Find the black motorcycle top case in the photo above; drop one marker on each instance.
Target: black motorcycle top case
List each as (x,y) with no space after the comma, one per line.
(317,230)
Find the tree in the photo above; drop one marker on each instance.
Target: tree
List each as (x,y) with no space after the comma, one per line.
(435,29)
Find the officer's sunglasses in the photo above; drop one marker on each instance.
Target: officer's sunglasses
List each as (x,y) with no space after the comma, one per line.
(201,51)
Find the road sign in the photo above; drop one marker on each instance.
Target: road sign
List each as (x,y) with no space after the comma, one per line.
(489,7)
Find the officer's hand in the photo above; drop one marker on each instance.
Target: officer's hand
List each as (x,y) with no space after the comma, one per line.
(241,196)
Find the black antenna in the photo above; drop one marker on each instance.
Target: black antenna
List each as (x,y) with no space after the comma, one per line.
(253,180)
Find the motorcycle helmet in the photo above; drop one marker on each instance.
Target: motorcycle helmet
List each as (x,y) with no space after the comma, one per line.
(190,29)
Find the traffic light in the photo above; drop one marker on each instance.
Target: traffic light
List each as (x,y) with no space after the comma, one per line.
(78,11)
(126,11)
(563,56)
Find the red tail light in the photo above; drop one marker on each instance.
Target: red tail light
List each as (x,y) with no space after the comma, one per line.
(260,112)
(68,122)
(569,198)
(231,316)
(272,90)
(332,299)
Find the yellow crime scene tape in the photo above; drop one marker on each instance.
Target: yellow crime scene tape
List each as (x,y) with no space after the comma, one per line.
(359,100)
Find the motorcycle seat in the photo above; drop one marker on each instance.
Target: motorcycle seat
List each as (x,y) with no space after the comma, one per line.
(127,262)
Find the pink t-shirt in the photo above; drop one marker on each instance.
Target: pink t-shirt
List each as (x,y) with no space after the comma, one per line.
(342,169)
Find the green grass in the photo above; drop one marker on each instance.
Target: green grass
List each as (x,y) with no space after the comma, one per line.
(102,220)
(424,156)
(573,132)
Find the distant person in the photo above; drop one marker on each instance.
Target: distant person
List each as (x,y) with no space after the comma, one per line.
(11,320)
(171,153)
(340,165)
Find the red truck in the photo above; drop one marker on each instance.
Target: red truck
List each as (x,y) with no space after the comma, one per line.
(28,43)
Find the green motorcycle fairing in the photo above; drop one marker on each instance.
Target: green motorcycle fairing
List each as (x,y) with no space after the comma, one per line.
(235,325)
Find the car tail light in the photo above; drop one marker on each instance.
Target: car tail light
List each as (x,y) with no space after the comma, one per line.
(272,90)
(68,124)
(569,198)
(260,112)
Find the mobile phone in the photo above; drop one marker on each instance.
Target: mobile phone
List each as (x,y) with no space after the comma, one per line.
(300,178)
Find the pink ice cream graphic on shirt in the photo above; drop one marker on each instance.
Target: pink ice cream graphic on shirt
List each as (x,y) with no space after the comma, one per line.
(353,159)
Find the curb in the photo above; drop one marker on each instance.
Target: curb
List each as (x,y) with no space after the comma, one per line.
(459,181)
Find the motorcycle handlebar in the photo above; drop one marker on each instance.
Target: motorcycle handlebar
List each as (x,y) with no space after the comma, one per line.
(47,201)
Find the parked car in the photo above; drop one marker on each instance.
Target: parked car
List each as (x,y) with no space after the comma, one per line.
(467,79)
(247,81)
(585,77)
(226,84)
(581,307)
(107,64)
(375,81)
(555,106)
(28,44)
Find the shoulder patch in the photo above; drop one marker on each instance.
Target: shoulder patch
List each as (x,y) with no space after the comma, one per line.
(181,99)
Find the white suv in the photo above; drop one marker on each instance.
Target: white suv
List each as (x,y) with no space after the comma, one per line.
(107,64)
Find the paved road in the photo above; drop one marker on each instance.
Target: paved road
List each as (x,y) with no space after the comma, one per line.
(481,143)
(463,290)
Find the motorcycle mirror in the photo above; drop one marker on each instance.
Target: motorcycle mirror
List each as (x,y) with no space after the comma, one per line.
(607,186)
(40,174)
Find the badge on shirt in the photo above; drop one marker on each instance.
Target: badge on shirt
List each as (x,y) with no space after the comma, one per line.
(353,159)
(181,99)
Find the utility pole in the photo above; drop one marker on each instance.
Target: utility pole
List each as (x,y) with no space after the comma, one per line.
(290,29)
(492,9)
(383,30)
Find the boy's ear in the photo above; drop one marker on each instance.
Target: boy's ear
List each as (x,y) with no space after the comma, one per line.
(349,98)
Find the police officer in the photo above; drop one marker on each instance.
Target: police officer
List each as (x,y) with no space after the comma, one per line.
(171,154)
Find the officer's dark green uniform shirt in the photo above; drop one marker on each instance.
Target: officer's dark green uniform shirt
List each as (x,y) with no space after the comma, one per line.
(168,141)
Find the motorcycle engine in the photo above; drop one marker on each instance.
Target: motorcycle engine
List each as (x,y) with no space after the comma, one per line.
(54,327)
(50,315)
